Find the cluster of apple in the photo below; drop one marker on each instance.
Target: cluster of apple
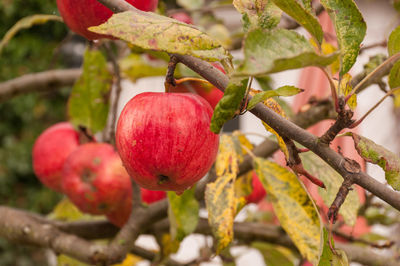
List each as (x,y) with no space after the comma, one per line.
(90,174)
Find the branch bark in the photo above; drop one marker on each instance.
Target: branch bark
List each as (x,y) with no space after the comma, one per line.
(43,81)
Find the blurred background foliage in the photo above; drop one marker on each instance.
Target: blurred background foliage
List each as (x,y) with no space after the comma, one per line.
(23,118)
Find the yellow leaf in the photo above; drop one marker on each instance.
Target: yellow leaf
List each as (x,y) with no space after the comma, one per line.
(242,142)
(326,49)
(227,159)
(273,105)
(293,206)
(130,260)
(169,245)
(345,88)
(221,205)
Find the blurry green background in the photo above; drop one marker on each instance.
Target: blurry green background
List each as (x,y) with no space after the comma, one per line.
(23,118)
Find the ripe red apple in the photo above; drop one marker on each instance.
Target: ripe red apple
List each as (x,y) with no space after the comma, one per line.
(82,14)
(183,17)
(164,140)
(151,196)
(121,214)
(210,93)
(258,192)
(51,150)
(94,178)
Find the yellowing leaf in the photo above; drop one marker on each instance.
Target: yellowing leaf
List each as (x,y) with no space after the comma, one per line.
(381,156)
(227,160)
(274,254)
(26,23)
(332,180)
(345,88)
(151,31)
(66,211)
(222,205)
(242,144)
(272,104)
(350,30)
(258,13)
(293,206)
(243,185)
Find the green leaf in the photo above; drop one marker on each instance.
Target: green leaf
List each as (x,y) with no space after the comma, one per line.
(151,31)
(293,206)
(394,82)
(379,155)
(294,9)
(190,4)
(89,100)
(270,51)
(273,254)
(394,42)
(229,104)
(258,14)
(332,180)
(282,91)
(134,66)
(350,30)
(26,23)
(328,258)
(183,213)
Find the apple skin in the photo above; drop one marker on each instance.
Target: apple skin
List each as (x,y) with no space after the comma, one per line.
(120,215)
(258,192)
(82,14)
(50,152)
(212,96)
(183,17)
(151,196)
(164,140)
(95,180)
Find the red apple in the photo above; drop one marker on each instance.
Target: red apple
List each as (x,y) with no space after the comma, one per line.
(258,192)
(164,140)
(183,17)
(82,14)
(51,150)
(121,214)
(150,196)
(94,178)
(210,93)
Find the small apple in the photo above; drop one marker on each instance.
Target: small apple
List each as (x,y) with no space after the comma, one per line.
(51,150)
(82,14)
(94,178)
(258,193)
(164,140)
(210,93)
(183,17)
(120,215)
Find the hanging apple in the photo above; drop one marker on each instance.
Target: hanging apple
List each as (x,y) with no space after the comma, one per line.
(94,178)
(79,15)
(258,193)
(51,150)
(164,140)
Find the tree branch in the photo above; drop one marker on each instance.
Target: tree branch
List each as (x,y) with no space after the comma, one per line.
(43,81)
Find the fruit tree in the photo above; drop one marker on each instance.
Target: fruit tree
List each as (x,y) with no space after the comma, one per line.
(164,165)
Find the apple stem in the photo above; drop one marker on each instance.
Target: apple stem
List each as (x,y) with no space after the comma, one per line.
(169,78)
